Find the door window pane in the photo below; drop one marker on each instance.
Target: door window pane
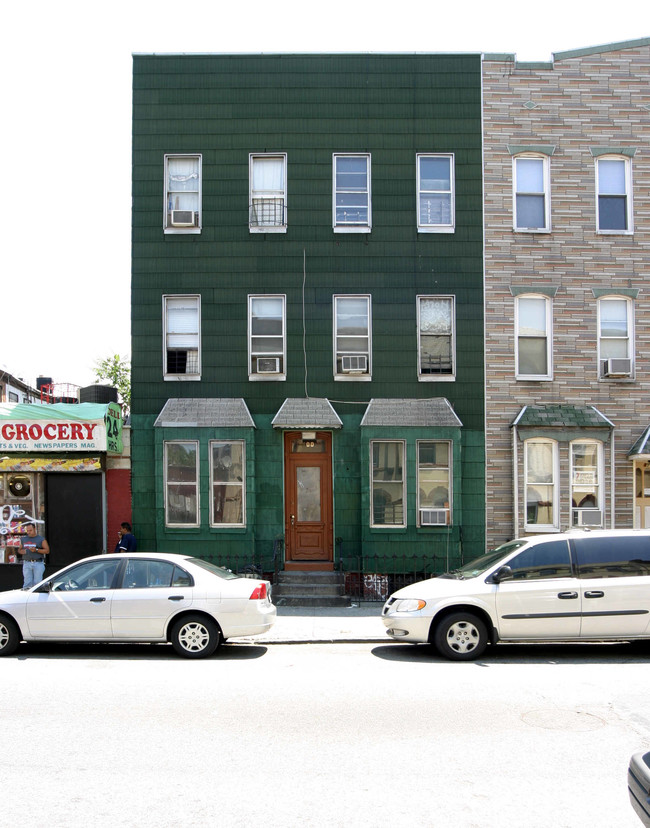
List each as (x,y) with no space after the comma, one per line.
(308,491)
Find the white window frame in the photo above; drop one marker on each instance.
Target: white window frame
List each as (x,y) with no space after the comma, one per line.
(340,375)
(446,377)
(548,306)
(169,196)
(419,470)
(280,353)
(267,195)
(598,486)
(629,339)
(629,215)
(553,483)
(197,483)
(352,227)
(193,376)
(241,483)
(374,525)
(430,226)
(545,193)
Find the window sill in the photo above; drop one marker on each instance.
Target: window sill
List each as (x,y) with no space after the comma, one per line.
(182,378)
(343,229)
(352,378)
(614,232)
(443,228)
(533,378)
(437,378)
(533,230)
(181,231)
(267,377)
(540,529)
(269,229)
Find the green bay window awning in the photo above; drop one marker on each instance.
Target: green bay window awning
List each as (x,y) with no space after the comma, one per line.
(641,448)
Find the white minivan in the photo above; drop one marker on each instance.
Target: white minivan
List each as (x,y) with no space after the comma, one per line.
(577,586)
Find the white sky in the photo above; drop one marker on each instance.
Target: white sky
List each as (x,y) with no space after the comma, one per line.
(66,133)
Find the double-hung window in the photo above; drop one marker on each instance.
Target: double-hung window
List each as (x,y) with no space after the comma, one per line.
(533,338)
(181,483)
(351,202)
(352,338)
(227,482)
(436,208)
(266,337)
(531,193)
(434,482)
(615,337)
(614,195)
(540,474)
(267,193)
(436,338)
(182,207)
(387,483)
(586,483)
(182,337)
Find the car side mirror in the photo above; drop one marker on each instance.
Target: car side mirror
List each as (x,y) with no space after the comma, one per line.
(502,574)
(46,587)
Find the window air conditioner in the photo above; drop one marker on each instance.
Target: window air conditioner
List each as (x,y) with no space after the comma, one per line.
(618,367)
(268,365)
(434,517)
(182,218)
(354,364)
(589,517)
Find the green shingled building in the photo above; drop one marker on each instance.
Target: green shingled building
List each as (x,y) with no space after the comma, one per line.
(308,310)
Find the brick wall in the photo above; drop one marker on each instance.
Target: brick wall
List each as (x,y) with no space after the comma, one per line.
(583,99)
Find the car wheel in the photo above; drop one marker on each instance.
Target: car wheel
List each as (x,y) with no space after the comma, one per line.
(195,636)
(10,636)
(460,637)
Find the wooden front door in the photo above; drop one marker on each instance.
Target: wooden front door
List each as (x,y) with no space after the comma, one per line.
(309,528)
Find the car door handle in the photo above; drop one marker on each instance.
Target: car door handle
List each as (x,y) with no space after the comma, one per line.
(595,593)
(97,600)
(567,595)
(175,597)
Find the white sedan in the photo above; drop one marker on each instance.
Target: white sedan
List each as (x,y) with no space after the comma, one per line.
(140,597)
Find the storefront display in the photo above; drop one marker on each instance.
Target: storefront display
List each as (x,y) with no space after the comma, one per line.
(53,472)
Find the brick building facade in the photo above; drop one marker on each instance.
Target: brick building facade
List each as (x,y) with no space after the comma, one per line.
(567,237)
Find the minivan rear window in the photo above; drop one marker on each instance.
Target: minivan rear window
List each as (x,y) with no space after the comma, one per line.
(615,557)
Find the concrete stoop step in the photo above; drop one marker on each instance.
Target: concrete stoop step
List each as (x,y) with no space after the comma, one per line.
(310,589)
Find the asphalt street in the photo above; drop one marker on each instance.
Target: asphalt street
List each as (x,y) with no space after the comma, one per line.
(331,734)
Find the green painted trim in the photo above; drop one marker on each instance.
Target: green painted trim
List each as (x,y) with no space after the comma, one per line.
(564,435)
(632,293)
(500,56)
(534,66)
(628,152)
(606,47)
(541,149)
(544,290)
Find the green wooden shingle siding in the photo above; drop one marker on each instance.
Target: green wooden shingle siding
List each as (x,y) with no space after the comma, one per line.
(309,107)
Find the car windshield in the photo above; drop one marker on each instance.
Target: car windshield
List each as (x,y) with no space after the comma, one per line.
(479,565)
(219,571)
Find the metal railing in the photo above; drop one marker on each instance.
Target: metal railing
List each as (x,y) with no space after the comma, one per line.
(367,578)
(267,212)
(375,579)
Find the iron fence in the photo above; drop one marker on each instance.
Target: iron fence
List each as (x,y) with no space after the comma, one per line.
(367,578)
(375,579)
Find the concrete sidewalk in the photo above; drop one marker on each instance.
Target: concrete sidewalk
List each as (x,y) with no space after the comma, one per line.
(324,625)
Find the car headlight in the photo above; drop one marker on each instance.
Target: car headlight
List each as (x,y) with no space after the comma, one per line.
(408,605)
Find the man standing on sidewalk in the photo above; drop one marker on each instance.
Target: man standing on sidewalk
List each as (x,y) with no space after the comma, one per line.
(34,549)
